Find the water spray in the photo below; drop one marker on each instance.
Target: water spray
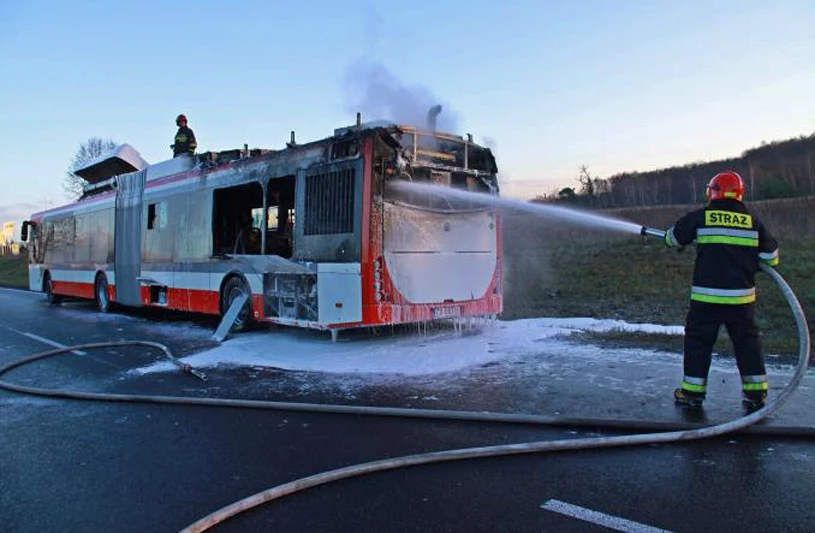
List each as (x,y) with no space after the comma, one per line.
(565,214)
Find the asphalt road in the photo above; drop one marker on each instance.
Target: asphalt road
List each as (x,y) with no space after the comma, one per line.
(86,466)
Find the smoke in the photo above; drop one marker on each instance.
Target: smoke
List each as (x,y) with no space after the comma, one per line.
(372,89)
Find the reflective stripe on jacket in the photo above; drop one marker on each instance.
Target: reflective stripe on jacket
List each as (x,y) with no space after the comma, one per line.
(730,243)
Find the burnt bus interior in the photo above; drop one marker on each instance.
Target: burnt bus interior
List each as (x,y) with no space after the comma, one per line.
(238,223)
(234,231)
(448,161)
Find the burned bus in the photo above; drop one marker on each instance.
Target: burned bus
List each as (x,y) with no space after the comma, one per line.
(311,233)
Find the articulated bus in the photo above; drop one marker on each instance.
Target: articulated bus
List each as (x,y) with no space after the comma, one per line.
(312,233)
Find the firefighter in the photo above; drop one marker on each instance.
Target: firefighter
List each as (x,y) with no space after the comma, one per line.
(730,243)
(184,139)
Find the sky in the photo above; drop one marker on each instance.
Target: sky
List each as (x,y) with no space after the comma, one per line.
(548,85)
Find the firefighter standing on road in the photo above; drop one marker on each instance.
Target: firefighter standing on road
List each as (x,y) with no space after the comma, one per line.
(184,139)
(730,243)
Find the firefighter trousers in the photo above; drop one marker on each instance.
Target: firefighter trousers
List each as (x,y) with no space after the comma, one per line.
(702,330)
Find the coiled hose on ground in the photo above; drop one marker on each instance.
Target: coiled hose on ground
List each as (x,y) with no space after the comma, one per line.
(687,432)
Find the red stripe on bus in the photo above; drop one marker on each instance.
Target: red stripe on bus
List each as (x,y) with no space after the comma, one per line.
(197,301)
(73,288)
(388,313)
(188,175)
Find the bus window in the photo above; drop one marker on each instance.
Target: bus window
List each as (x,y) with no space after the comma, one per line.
(157,215)
(151,216)
(280,216)
(82,239)
(272,218)
(61,241)
(47,237)
(234,228)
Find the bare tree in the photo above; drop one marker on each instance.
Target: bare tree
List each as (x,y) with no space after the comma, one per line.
(586,184)
(90,149)
(692,184)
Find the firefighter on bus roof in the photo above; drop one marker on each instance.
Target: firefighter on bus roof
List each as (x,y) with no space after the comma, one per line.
(730,243)
(184,139)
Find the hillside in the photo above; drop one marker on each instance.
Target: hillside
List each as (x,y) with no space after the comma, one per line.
(780,169)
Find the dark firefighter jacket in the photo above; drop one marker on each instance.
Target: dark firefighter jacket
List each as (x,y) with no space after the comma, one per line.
(730,241)
(184,141)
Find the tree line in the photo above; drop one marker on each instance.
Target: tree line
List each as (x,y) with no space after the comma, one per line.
(779,169)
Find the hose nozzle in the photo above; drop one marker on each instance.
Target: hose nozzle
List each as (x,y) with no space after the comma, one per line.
(653,232)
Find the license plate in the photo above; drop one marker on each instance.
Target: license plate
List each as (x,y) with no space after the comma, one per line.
(446,312)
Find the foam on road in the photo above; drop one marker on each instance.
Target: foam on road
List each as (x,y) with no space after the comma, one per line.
(433,352)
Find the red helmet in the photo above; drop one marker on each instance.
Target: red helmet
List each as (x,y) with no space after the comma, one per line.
(179,118)
(726,185)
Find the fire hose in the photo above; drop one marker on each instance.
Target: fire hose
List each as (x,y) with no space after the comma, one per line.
(280,491)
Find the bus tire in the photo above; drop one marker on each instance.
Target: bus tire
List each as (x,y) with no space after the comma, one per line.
(100,293)
(234,288)
(48,289)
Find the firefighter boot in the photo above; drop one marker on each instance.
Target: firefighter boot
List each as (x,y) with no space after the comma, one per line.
(754,400)
(685,398)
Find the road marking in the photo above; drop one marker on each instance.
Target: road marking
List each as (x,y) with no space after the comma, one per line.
(601,519)
(55,344)
(49,342)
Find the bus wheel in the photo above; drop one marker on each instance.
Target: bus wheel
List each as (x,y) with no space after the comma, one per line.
(101,293)
(234,288)
(48,287)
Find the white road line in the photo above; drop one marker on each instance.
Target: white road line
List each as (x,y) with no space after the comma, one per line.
(49,342)
(55,344)
(43,340)
(601,519)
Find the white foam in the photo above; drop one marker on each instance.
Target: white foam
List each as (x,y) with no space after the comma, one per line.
(406,354)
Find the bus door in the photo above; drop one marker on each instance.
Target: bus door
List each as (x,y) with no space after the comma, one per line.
(129,195)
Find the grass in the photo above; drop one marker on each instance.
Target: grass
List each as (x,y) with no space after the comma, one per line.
(14,271)
(551,272)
